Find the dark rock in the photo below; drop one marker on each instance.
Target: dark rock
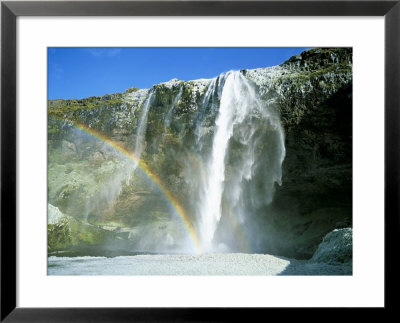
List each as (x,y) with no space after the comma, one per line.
(336,247)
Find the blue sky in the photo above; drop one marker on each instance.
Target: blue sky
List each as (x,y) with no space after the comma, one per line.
(75,73)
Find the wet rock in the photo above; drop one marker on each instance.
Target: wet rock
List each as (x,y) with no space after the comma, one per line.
(336,247)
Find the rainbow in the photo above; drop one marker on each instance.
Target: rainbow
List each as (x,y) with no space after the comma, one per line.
(153,176)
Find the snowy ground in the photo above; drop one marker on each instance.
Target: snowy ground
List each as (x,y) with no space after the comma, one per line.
(205,264)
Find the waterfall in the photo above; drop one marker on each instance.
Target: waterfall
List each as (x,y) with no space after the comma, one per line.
(243,118)
(201,114)
(167,120)
(141,128)
(112,187)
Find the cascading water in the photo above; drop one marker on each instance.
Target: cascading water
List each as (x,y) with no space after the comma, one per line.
(142,125)
(167,120)
(244,119)
(113,186)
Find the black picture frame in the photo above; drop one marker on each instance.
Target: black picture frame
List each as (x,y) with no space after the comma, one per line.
(10,10)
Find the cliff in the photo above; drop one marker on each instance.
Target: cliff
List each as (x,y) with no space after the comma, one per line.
(110,200)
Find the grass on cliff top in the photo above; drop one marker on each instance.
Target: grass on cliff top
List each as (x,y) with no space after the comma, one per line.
(60,108)
(316,57)
(303,75)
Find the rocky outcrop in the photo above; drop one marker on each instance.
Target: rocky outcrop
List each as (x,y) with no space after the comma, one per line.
(335,248)
(69,236)
(312,92)
(66,233)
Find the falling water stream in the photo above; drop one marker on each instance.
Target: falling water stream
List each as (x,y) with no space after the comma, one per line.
(142,125)
(112,188)
(240,106)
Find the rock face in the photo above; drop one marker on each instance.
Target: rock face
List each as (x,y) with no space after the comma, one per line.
(92,180)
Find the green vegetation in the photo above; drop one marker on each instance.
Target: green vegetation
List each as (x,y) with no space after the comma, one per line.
(66,108)
(59,235)
(131,89)
(69,233)
(307,90)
